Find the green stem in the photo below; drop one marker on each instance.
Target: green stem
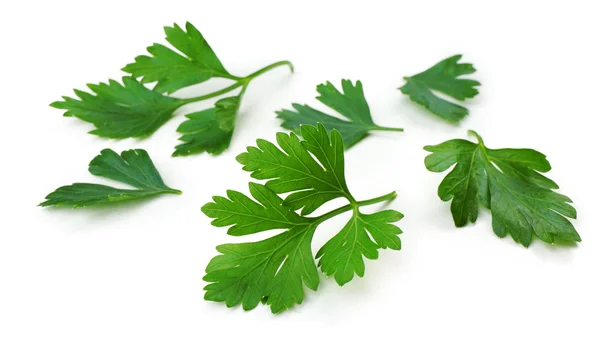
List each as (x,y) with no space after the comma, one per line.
(382,128)
(171,191)
(241,82)
(387,197)
(213,94)
(269,67)
(244,87)
(481,146)
(476,135)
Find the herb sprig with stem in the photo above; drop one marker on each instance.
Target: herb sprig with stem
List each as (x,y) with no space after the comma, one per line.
(275,270)
(130,109)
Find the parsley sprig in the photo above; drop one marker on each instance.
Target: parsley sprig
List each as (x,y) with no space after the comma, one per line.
(350,103)
(275,270)
(130,109)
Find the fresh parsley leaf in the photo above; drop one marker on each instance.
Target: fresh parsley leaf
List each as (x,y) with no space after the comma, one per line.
(342,255)
(132,167)
(351,104)
(508,182)
(315,182)
(248,217)
(121,111)
(442,77)
(171,70)
(275,270)
(132,110)
(209,130)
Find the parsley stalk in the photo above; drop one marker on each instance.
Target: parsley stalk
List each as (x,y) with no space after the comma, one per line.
(241,82)
(354,205)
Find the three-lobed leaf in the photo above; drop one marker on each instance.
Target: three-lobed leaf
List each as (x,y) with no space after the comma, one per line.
(132,167)
(342,256)
(443,77)
(194,61)
(508,182)
(350,103)
(291,167)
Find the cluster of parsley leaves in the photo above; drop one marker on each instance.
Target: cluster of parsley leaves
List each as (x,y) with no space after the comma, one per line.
(307,165)
(275,270)
(130,109)
(523,202)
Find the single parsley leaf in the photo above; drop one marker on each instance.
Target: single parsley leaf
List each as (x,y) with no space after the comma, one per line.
(132,167)
(351,104)
(209,130)
(248,217)
(275,270)
(293,168)
(276,267)
(507,181)
(342,255)
(170,69)
(442,77)
(121,111)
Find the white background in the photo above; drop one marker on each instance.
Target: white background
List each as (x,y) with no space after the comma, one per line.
(133,273)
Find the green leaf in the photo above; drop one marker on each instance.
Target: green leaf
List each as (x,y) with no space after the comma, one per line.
(442,77)
(274,268)
(274,271)
(342,255)
(209,130)
(132,167)
(248,217)
(509,182)
(121,111)
(173,71)
(293,168)
(132,110)
(351,104)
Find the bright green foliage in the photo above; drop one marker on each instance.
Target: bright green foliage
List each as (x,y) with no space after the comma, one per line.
(507,181)
(353,242)
(121,111)
(132,167)
(442,77)
(294,169)
(133,110)
(249,217)
(275,270)
(209,130)
(247,272)
(171,70)
(351,104)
